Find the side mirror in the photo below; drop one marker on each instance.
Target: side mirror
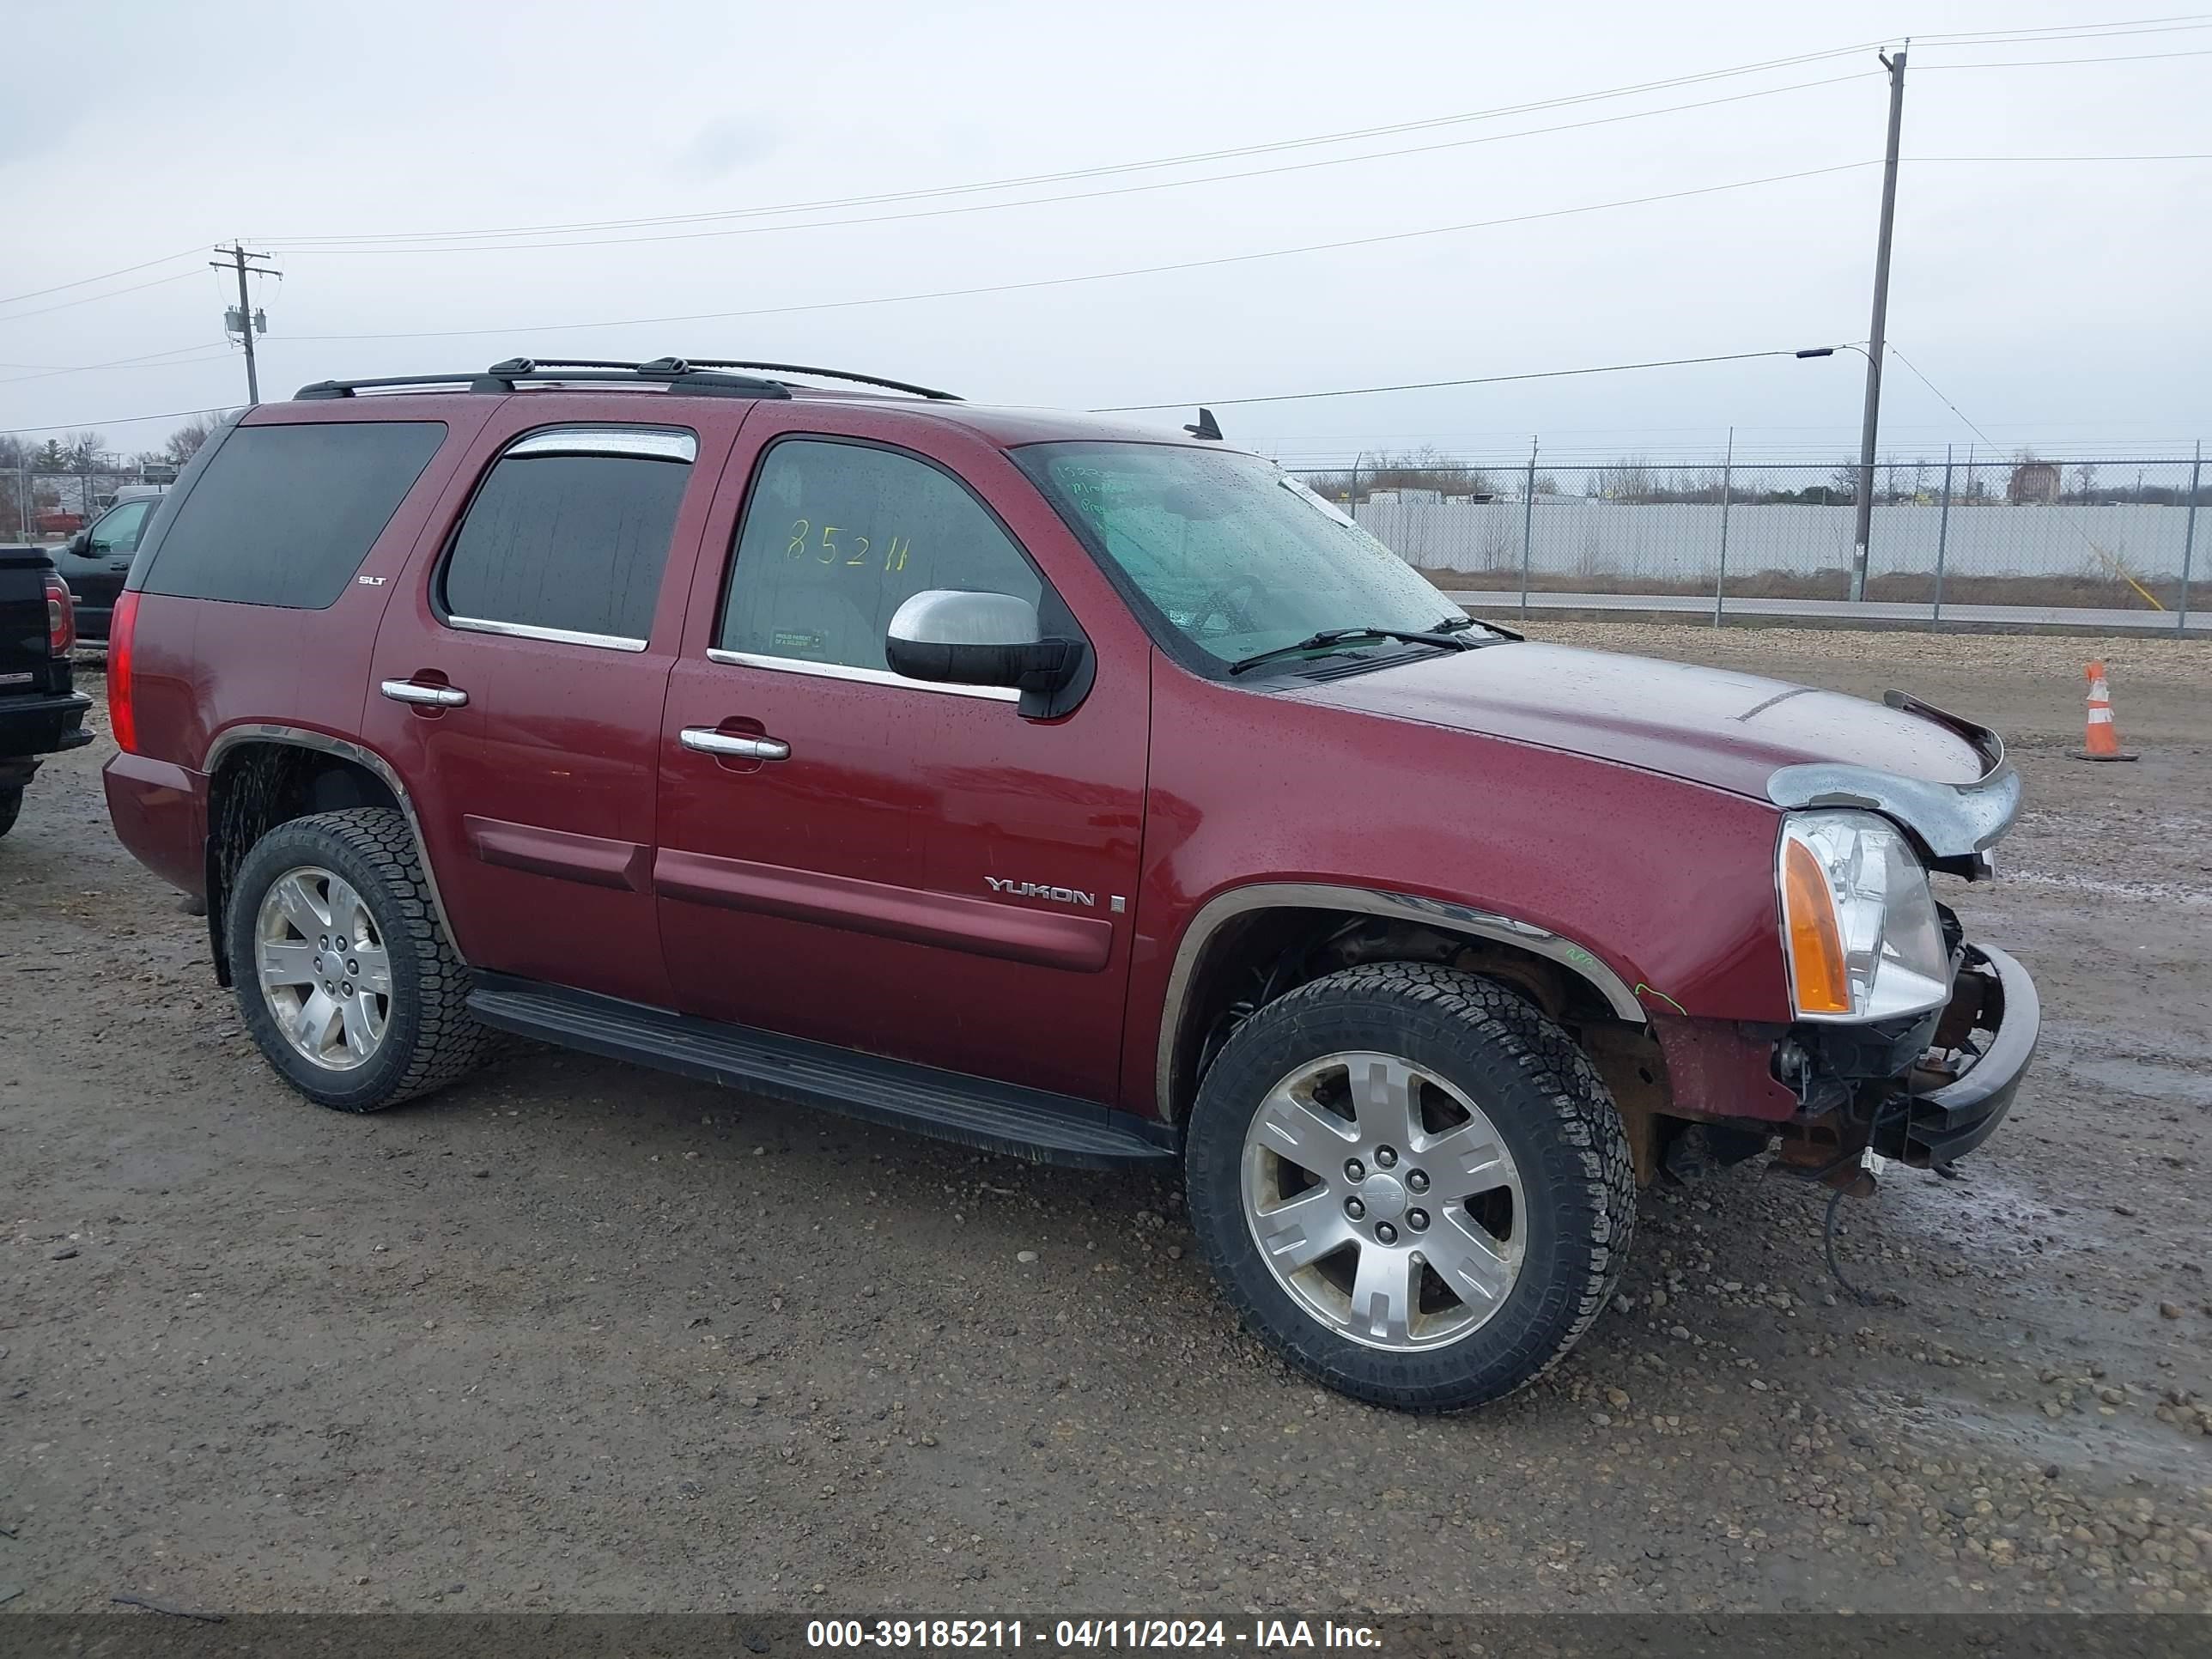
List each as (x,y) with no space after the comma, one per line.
(983,639)
(80,542)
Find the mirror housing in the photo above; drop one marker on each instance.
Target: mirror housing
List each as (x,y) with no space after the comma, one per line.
(952,638)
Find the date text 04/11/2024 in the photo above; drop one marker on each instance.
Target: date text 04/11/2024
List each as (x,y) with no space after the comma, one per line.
(1262,1636)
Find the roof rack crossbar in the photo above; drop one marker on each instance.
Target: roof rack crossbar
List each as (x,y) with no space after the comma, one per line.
(502,377)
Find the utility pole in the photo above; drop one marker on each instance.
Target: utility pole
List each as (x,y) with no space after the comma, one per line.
(237,260)
(1896,67)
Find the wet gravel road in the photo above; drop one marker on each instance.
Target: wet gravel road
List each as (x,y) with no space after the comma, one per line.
(578,1336)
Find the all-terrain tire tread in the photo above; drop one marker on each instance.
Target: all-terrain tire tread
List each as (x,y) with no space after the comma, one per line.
(1555,1065)
(449,1043)
(1594,1188)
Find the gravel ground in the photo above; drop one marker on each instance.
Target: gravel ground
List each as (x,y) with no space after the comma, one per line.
(575,1336)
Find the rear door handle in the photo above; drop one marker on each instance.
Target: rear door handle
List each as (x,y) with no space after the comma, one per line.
(707,741)
(435,696)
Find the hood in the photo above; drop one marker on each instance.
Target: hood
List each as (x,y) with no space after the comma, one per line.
(1711,725)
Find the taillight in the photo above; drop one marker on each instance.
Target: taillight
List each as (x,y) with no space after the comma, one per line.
(122,721)
(61,617)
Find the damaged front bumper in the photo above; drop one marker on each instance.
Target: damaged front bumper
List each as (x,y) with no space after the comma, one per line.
(1924,1091)
(1953,1101)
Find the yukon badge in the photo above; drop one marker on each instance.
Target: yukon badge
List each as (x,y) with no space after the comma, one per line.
(1036,889)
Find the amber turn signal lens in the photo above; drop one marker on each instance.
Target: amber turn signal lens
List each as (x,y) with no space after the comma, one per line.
(1816,947)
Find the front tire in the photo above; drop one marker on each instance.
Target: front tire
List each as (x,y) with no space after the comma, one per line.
(11,807)
(1413,1185)
(343,974)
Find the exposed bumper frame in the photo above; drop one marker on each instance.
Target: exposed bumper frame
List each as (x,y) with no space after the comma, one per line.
(1941,1125)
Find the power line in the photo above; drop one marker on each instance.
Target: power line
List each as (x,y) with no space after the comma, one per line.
(2047,35)
(2059,38)
(2182,155)
(1101,276)
(1942,394)
(1094,195)
(144,361)
(81,282)
(1069,175)
(2125,26)
(1433,385)
(114,293)
(2050,63)
(114,420)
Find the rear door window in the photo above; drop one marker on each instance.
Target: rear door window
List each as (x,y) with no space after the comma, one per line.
(568,534)
(284,515)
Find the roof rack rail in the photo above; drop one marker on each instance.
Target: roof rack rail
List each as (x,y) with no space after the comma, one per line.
(503,377)
(692,374)
(679,363)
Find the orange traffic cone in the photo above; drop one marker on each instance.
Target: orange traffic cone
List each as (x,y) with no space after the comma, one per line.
(2100,741)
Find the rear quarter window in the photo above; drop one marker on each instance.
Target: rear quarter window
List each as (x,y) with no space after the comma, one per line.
(284,515)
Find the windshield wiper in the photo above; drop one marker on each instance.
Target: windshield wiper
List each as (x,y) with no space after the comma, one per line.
(1329,636)
(1460,624)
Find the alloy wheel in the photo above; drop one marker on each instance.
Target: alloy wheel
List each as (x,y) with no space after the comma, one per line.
(1383,1200)
(325,971)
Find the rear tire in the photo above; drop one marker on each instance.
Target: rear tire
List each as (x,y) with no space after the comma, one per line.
(1441,1178)
(11,807)
(344,974)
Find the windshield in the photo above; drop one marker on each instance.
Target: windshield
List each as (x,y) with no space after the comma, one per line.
(1240,557)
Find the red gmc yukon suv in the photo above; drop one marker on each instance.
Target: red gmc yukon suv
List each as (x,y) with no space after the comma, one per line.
(1077,791)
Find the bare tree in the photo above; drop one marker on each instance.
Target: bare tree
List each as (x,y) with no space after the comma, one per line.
(88,452)
(184,442)
(1628,479)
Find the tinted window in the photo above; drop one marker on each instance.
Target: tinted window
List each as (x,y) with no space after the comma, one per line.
(284,515)
(569,541)
(837,536)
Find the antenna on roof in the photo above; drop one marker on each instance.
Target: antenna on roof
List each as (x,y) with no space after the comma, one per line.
(1207,427)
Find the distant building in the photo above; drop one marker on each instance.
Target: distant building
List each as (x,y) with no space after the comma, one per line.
(2033,482)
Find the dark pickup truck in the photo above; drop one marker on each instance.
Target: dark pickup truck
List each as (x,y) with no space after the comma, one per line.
(41,712)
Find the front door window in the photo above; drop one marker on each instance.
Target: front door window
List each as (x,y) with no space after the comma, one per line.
(837,536)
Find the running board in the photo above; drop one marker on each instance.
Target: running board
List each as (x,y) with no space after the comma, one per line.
(1000,1117)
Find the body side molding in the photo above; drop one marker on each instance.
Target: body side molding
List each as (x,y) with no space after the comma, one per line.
(983,927)
(594,860)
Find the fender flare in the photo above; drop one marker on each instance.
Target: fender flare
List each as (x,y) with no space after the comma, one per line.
(367,759)
(1575,958)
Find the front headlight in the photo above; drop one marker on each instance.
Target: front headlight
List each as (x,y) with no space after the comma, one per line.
(1858,923)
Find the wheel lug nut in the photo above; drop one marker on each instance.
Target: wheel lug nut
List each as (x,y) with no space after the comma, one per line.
(325,941)
(345,989)
(1386,1233)
(1416,1181)
(355,968)
(1354,1208)
(1417,1219)
(1384,1157)
(1354,1170)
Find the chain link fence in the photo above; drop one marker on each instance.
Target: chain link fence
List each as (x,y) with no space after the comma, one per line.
(1948,532)
(36,504)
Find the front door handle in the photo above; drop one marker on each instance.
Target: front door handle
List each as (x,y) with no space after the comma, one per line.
(731,745)
(434,697)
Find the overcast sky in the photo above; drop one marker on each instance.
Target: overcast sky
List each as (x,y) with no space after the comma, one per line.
(2056,302)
